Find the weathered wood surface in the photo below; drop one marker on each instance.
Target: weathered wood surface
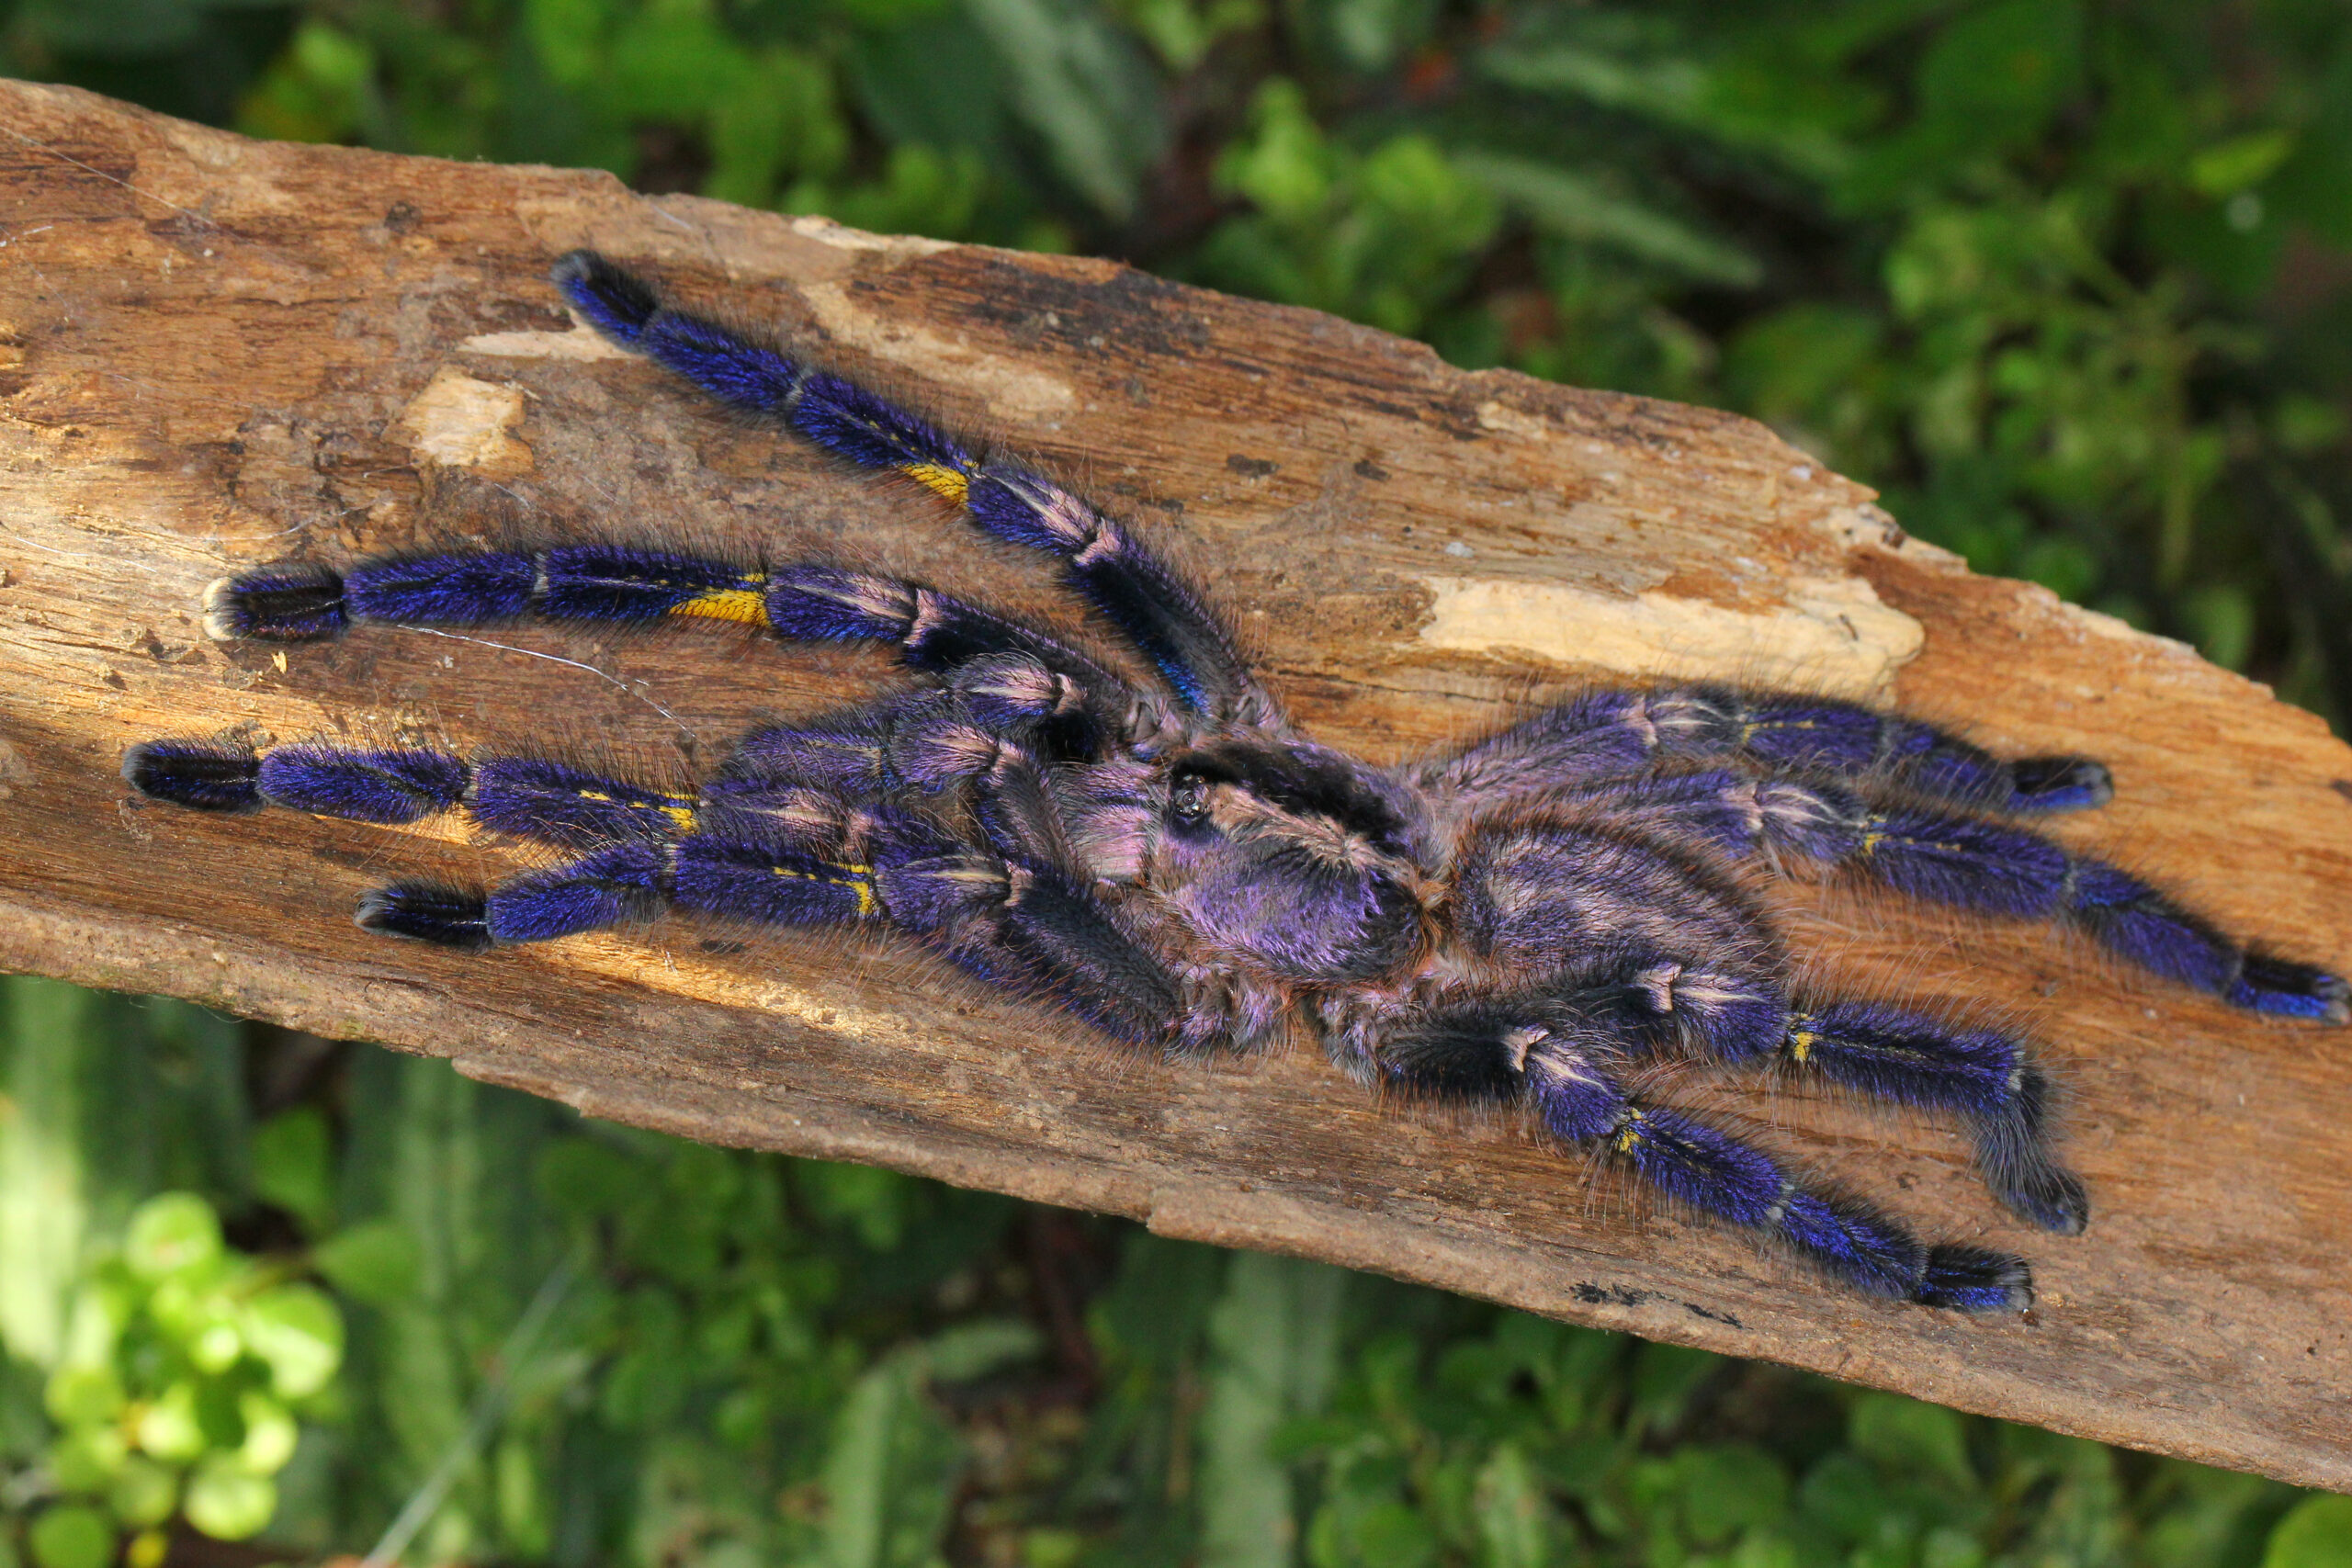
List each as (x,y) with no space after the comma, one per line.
(218,352)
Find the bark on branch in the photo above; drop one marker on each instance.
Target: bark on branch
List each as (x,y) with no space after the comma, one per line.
(218,352)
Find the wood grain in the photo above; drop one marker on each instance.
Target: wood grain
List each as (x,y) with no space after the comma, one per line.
(219,352)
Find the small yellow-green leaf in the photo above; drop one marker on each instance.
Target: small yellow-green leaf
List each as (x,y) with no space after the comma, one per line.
(270,1434)
(144,1493)
(217,1345)
(297,1332)
(88,1461)
(73,1536)
(83,1396)
(169,1429)
(227,1502)
(171,1233)
(2228,167)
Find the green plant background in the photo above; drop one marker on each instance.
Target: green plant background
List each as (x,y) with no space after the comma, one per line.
(2072,283)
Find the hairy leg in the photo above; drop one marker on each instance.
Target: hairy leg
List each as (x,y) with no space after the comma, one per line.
(1610,733)
(620,584)
(1560,1060)
(1101,561)
(535,798)
(1986,867)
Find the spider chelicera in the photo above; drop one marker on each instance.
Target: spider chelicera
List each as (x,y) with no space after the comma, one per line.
(1535,920)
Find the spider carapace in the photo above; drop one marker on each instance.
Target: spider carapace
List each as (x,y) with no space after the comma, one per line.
(1537,920)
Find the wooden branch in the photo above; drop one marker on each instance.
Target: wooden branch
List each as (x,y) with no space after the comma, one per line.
(219,352)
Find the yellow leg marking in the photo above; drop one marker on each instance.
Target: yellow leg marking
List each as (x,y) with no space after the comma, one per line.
(1631,1138)
(857,878)
(680,810)
(748,605)
(946,481)
(1801,1045)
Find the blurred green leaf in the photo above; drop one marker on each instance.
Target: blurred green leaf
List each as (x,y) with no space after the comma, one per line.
(1273,1338)
(293,1165)
(297,1332)
(2228,167)
(173,1233)
(377,1262)
(1083,89)
(84,1396)
(227,1502)
(71,1536)
(169,1426)
(2317,1534)
(1518,1525)
(144,1492)
(888,1471)
(1909,1438)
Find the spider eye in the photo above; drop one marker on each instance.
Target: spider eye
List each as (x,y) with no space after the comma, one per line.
(1187,799)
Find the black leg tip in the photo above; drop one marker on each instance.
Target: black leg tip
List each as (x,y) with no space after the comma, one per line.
(427,912)
(2059,784)
(615,301)
(285,603)
(2287,989)
(203,775)
(2053,1199)
(1972,1280)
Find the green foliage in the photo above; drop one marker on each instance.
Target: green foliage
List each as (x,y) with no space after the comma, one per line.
(172,1370)
(544,1341)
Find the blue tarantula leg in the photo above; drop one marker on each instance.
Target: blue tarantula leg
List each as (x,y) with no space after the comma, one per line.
(1131,588)
(1981,1076)
(1103,561)
(741,874)
(756,377)
(1605,733)
(618,883)
(1846,738)
(526,797)
(1992,868)
(1720,1174)
(2007,871)
(1032,928)
(1557,1059)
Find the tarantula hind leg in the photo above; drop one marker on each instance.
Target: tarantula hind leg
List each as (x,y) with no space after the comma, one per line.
(1978,1075)
(1557,1060)
(1987,867)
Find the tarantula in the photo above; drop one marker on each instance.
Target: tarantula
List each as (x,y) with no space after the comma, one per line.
(1532,921)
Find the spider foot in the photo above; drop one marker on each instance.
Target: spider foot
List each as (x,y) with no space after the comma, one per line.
(285,601)
(616,303)
(1971,1279)
(203,775)
(427,912)
(2059,784)
(2291,990)
(2047,1194)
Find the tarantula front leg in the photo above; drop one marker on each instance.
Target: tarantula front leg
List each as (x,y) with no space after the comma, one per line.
(1561,1059)
(1986,867)
(811,602)
(535,798)
(1617,733)
(1101,561)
